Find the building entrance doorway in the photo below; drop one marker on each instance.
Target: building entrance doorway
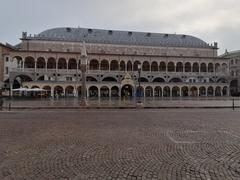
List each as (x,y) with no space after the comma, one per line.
(127,91)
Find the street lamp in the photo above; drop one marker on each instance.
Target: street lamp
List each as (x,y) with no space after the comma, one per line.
(139,86)
(83,67)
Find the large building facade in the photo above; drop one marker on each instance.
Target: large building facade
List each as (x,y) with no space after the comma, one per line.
(172,65)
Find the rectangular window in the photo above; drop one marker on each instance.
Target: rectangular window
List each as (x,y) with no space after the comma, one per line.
(69,78)
(7,59)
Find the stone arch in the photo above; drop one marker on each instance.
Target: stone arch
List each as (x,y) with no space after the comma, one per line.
(202,91)
(143,79)
(29,62)
(148,91)
(154,66)
(210,67)
(171,67)
(188,67)
(218,91)
(224,67)
(185,91)
(158,79)
(217,67)
(91,79)
(48,90)
(162,66)
(225,91)
(51,63)
(109,79)
(179,67)
(129,66)
(122,66)
(72,63)
(166,91)
(146,66)
(58,91)
(104,65)
(114,65)
(62,63)
(104,91)
(158,91)
(175,80)
(41,63)
(135,65)
(19,60)
(94,64)
(69,91)
(203,67)
(222,80)
(35,86)
(195,67)
(114,91)
(194,91)
(21,78)
(127,91)
(175,91)
(93,91)
(210,91)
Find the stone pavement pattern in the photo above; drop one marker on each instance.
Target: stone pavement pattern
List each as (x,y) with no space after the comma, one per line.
(120,144)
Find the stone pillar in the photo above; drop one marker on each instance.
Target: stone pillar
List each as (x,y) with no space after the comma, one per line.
(110,93)
(52,92)
(23,65)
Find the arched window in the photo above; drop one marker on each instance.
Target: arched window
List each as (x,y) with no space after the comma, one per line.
(210,67)
(94,64)
(162,67)
(62,63)
(179,67)
(129,66)
(217,67)
(135,65)
(203,67)
(41,64)
(29,62)
(51,63)
(146,66)
(195,67)
(114,65)
(72,64)
(104,65)
(188,67)
(171,67)
(122,66)
(154,66)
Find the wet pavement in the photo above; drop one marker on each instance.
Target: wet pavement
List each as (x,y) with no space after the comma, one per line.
(218,102)
(121,144)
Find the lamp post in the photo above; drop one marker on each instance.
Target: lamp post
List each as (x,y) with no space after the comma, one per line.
(139,85)
(83,67)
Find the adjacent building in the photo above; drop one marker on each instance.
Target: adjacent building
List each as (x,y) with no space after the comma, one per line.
(172,65)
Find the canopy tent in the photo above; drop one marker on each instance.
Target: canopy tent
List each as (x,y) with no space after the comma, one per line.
(29,90)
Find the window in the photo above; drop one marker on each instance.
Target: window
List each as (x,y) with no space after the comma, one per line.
(7,59)
(69,78)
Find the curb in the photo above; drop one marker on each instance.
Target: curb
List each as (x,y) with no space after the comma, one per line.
(122,107)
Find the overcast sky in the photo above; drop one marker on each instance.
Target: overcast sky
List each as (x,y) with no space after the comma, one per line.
(210,20)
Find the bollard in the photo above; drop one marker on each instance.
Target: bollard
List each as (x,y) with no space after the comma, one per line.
(233,105)
(9,107)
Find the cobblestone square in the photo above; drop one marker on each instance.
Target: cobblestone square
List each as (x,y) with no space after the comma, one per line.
(120,144)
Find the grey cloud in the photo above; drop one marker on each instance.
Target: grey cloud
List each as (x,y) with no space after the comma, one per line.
(215,20)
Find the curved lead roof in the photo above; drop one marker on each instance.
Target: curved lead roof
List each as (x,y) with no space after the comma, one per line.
(120,37)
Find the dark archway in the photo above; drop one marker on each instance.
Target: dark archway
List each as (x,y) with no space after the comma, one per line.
(127,91)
